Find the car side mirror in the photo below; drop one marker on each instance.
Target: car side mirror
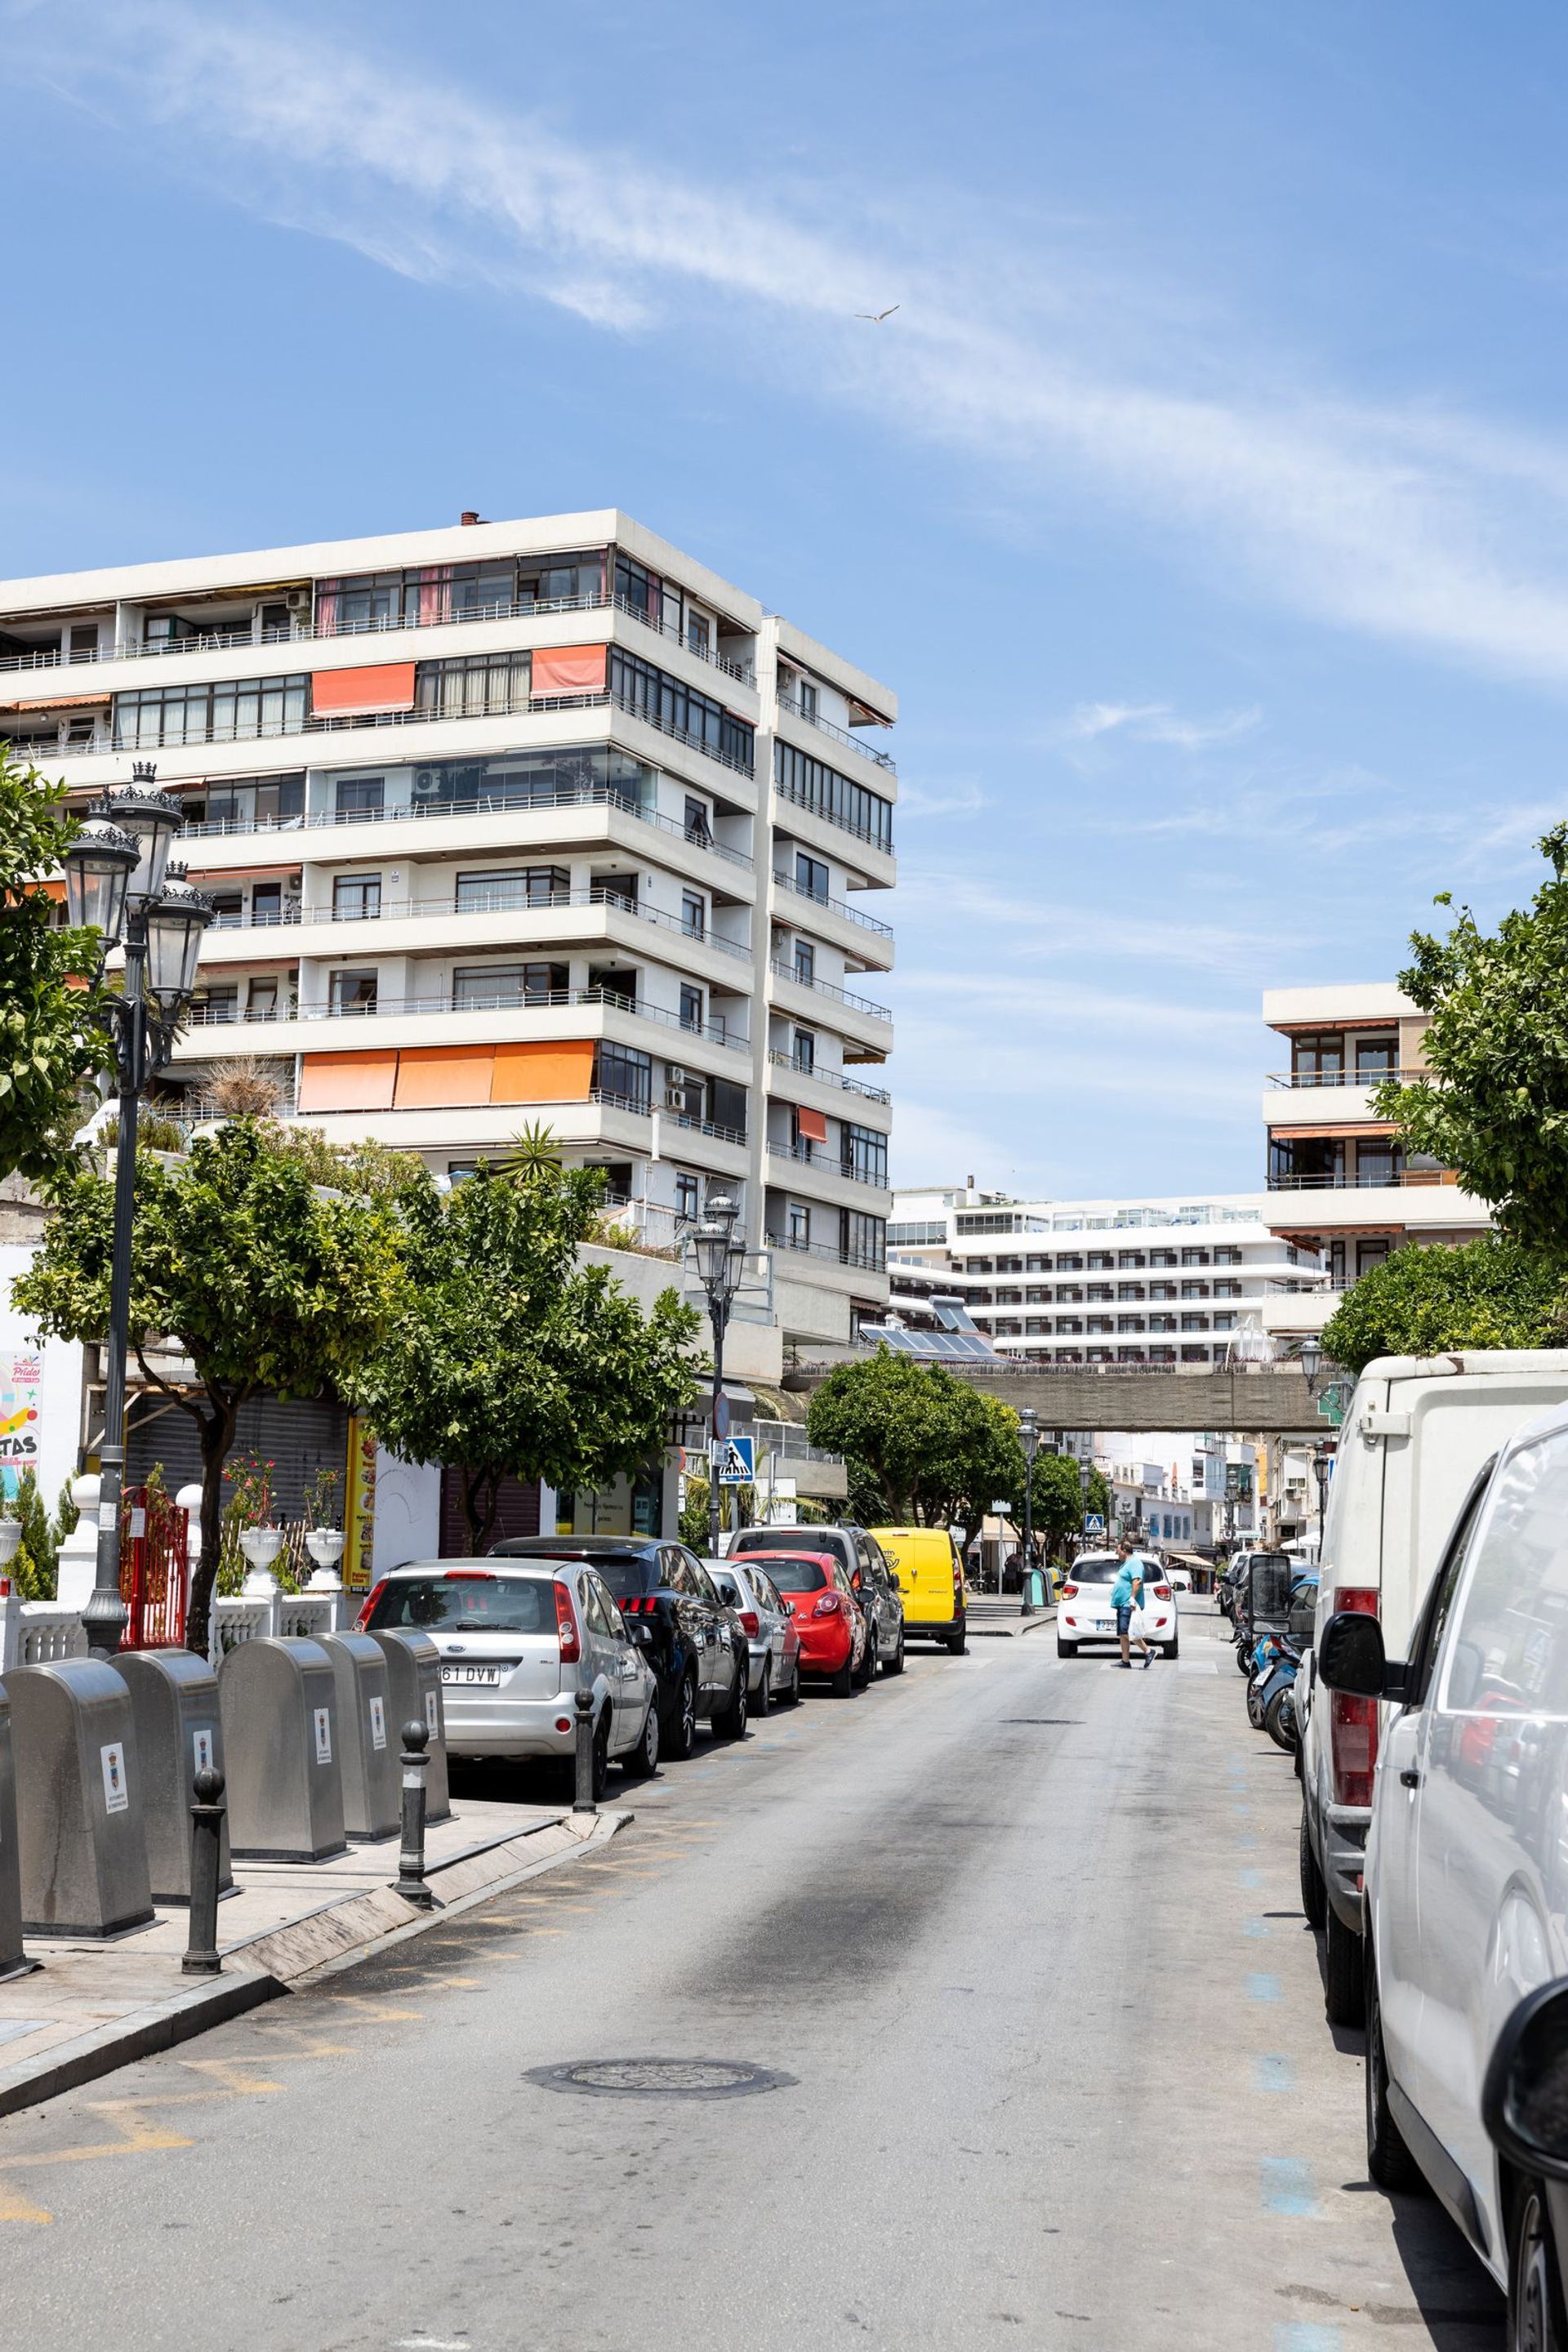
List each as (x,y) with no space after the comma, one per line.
(1524,2098)
(1351,1658)
(894,1581)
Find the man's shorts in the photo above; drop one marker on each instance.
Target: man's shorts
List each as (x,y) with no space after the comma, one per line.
(1124,1618)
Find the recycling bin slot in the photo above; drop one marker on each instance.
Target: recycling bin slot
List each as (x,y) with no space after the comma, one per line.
(414,1694)
(174,1701)
(279,1709)
(81,1839)
(371,1783)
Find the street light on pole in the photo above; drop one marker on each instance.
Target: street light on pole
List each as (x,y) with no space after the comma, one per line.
(1085,1477)
(721,1255)
(119,881)
(1029,1438)
(1309,1356)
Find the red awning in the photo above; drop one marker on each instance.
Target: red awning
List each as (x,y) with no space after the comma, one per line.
(62,702)
(812,1126)
(352,693)
(568,669)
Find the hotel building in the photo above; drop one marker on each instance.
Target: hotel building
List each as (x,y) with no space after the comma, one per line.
(515,823)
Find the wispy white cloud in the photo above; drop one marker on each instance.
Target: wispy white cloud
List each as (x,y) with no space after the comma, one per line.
(952,799)
(935,906)
(1404,522)
(1157,722)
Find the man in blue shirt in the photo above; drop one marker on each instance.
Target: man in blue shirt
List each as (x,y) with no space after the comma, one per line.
(1127,1594)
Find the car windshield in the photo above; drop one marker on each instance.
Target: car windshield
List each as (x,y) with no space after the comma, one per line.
(484,1604)
(627,1573)
(798,1575)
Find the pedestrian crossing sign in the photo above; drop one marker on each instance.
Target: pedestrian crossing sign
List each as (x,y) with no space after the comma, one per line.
(1093,1523)
(737,1466)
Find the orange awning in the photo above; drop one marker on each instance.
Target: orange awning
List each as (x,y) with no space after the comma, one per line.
(350,693)
(543,1072)
(1364,1130)
(568,669)
(62,702)
(812,1126)
(443,1078)
(348,1081)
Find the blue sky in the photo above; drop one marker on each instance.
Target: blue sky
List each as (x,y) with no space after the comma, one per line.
(1204,499)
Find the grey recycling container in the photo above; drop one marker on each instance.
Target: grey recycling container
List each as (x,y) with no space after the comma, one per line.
(14,1961)
(373,1804)
(173,1698)
(278,1703)
(80,1834)
(413,1689)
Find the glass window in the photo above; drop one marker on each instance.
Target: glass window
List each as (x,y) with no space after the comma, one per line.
(360,795)
(528,885)
(805,967)
(356,898)
(1428,1636)
(864,1154)
(686,1196)
(1509,1653)
(811,783)
(693,914)
(811,877)
(262,1002)
(690,1006)
(799,1224)
(352,992)
(680,710)
(1375,1058)
(1318,1060)
(480,1604)
(621,1075)
(798,1575)
(496,985)
(805,1050)
(863,1240)
(594,1607)
(473,687)
(698,827)
(220,713)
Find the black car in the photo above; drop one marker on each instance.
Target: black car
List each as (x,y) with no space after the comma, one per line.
(692,1639)
(876,1589)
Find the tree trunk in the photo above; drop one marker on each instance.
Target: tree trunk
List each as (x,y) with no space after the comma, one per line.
(481,1495)
(216,1429)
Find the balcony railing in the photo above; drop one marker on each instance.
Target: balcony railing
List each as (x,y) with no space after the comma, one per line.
(501,803)
(876,841)
(406,911)
(1359,1183)
(511,706)
(828,988)
(829,1077)
(806,1155)
(868,1261)
(834,906)
(208,1014)
(299,633)
(838,734)
(1296,1079)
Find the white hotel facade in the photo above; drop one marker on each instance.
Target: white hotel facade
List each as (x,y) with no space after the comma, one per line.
(1138,1281)
(515,823)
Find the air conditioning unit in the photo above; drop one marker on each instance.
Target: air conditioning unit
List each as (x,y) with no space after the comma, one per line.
(300,600)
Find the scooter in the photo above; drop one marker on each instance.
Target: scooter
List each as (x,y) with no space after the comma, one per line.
(1276,1697)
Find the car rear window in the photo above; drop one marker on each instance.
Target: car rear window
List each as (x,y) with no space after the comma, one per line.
(480,1604)
(798,1575)
(1094,1571)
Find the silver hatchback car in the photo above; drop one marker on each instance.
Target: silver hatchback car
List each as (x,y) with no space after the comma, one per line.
(771,1634)
(517,1640)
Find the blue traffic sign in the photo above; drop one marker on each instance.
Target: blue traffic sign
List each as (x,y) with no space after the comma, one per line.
(1093,1523)
(738,1466)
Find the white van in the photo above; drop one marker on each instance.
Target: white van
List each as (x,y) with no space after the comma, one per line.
(1467,1864)
(1419,1431)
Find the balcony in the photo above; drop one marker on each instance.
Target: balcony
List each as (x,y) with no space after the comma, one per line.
(806,1155)
(501,803)
(834,906)
(384,1008)
(1381,1181)
(295,917)
(828,988)
(1295,1079)
(837,734)
(299,633)
(866,1261)
(828,1079)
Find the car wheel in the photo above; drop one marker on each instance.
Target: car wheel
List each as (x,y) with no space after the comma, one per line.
(683,1718)
(1314,1894)
(1536,2321)
(1388,2160)
(792,1696)
(732,1724)
(1344,1989)
(765,1698)
(1066,1649)
(640,1761)
(895,1665)
(843,1682)
(866,1670)
(958,1646)
(1174,1646)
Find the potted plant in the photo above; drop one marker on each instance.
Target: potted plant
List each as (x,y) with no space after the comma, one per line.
(250,1514)
(324,1538)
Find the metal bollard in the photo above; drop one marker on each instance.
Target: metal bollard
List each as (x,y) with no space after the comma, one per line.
(201,1957)
(584,1802)
(411,1852)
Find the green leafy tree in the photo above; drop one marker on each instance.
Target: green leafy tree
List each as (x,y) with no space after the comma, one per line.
(268,1281)
(1491,1293)
(1058,1499)
(35,1571)
(921,1445)
(48,1050)
(1495,1107)
(509,1357)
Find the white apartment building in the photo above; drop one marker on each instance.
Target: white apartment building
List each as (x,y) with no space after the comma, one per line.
(515,823)
(1339,1185)
(1133,1281)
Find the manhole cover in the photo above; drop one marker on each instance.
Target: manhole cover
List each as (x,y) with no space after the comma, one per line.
(661,2078)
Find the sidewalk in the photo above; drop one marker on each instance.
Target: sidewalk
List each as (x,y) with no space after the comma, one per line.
(1003,1613)
(91,2006)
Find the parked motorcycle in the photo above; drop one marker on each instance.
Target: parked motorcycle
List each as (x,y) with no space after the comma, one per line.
(1270,1703)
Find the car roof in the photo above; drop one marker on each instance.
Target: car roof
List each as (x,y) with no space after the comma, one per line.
(540,1563)
(793,1551)
(573,1547)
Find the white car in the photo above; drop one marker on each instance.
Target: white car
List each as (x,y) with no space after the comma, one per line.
(1084,1613)
(1178,1579)
(518,1639)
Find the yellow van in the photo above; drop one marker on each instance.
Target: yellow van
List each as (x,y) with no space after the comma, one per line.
(931,1578)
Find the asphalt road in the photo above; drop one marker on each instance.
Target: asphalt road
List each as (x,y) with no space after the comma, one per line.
(1023,1934)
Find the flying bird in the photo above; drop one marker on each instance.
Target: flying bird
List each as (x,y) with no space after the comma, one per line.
(876,316)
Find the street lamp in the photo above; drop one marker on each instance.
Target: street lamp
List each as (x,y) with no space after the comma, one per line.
(1029,1438)
(721,1255)
(1309,1356)
(118,881)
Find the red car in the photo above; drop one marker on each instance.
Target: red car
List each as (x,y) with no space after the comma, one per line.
(816,1590)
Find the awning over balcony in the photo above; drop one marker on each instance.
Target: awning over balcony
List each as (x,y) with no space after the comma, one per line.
(811,1126)
(447,1077)
(568,669)
(352,693)
(348,1081)
(1363,1131)
(60,702)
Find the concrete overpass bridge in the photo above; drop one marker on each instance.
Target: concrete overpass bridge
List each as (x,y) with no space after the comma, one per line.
(1255,1402)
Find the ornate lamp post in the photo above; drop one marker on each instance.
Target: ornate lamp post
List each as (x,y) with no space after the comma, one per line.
(118,879)
(1085,1477)
(1309,1356)
(1029,1438)
(721,1255)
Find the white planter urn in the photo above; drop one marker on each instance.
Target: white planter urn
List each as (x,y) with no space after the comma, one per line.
(262,1546)
(325,1546)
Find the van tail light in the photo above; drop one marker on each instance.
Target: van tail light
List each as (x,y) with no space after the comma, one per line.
(1069,1592)
(566,1626)
(1353,1722)
(362,1620)
(829,1606)
(750,1623)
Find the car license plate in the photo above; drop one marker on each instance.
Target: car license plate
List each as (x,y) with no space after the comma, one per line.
(454,1672)
(1103,1624)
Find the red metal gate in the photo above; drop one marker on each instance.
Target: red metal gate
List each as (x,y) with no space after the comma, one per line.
(154,1536)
